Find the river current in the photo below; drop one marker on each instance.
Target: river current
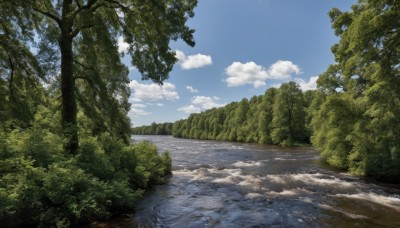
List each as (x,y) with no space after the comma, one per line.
(228,184)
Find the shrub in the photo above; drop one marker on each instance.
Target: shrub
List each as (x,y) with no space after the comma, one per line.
(42,186)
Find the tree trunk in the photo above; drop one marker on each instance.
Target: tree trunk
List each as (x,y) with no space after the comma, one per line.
(69,107)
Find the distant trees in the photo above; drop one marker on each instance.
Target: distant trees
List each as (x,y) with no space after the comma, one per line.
(278,116)
(154,129)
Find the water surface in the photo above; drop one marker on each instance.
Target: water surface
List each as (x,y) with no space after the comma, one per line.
(227,184)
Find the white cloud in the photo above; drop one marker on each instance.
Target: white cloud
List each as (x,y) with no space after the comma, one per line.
(137,112)
(189,109)
(153,91)
(180,55)
(160,104)
(134,99)
(277,86)
(205,102)
(191,89)
(310,85)
(122,45)
(240,74)
(200,103)
(282,70)
(246,73)
(192,61)
(136,105)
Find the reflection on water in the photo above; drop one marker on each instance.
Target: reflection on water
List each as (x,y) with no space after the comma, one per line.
(224,184)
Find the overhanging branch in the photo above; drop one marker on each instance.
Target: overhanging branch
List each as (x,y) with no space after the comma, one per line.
(76,31)
(50,15)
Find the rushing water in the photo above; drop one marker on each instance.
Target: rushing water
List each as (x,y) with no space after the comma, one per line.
(226,184)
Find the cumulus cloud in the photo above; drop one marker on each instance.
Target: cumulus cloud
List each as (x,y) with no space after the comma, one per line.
(282,70)
(134,99)
(246,73)
(160,104)
(200,103)
(205,102)
(122,45)
(153,91)
(192,61)
(240,74)
(191,89)
(310,85)
(277,86)
(137,112)
(189,109)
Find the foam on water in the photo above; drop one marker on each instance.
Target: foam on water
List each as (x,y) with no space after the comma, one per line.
(285,159)
(224,176)
(310,178)
(246,164)
(387,201)
(253,195)
(345,213)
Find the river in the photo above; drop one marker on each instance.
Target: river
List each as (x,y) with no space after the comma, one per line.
(228,184)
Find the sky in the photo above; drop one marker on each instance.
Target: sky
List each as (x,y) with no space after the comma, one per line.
(243,47)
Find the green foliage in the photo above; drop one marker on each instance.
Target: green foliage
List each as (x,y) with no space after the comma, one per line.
(338,115)
(75,46)
(154,129)
(289,116)
(61,82)
(356,128)
(40,185)
(248,120)
(150,168)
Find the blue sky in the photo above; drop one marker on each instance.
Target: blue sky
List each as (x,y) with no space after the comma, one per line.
(243,47)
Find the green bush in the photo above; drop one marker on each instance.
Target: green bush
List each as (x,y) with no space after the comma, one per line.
(42,186)
(151,168)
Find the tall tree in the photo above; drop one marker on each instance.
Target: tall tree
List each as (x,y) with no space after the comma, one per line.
(83,35)
(367,73)
(266,115)
(288,115)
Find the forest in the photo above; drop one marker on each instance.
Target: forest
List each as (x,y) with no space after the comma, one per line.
(353,118)
(67,157)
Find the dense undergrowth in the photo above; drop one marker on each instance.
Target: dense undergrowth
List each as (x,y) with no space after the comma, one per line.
(41,185)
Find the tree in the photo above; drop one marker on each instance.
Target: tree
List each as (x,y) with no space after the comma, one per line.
(288,115)
(266,115)
(367,75)
(20,71)
(80,39)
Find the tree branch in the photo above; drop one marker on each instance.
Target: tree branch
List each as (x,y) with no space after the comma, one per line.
(48,14)
(76,31)
(120,5)
(88,6)
(83,66)
(77,3)
(11,77)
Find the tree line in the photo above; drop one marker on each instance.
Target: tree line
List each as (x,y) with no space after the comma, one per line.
(353,118)
(279,117)
(154,129)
